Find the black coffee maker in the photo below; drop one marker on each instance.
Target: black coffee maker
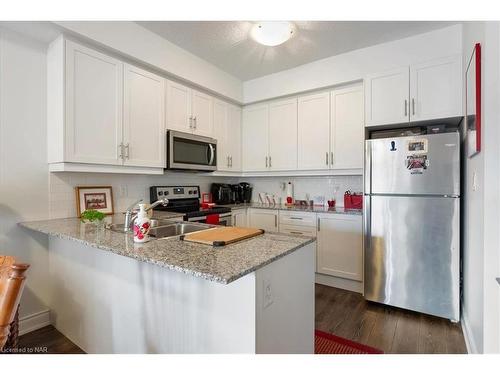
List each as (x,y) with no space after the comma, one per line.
(245,192)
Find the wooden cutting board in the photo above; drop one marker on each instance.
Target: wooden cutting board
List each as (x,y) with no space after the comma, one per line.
(222,236)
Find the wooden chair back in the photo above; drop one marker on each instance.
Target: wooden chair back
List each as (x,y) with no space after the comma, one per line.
(12,280)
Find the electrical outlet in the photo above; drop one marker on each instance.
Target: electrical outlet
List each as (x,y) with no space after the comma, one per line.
(474,181)
(123,191)
(268,298)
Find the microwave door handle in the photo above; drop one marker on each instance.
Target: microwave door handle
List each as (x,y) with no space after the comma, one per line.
(212,154)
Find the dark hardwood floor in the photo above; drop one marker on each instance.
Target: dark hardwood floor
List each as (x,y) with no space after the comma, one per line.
(341,313)
(47,340)
(390,329)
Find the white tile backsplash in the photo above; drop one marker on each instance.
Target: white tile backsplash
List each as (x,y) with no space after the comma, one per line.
(126,188)
(129,188)
(304,187)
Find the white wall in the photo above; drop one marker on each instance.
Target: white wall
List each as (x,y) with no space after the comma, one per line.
(354,65)
(141,44)
(481,223)
(23,166)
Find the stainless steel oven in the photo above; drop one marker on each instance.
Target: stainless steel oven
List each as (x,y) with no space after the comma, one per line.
(224,219)
(191,152)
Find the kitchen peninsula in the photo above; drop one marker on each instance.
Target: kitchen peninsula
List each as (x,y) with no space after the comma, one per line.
(109,295)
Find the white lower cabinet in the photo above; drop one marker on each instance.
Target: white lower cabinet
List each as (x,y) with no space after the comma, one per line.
(263,219)
(239,217)
(340,246)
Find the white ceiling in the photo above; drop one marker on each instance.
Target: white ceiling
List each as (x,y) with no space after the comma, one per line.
(227,44)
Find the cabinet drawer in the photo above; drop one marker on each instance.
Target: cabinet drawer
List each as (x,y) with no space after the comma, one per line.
(298,218)
(298,229)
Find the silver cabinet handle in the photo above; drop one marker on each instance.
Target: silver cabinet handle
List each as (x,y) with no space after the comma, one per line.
(413,106)
(195,122)
(331,158)
(266,161)
(296,218)
(275,221)
(231,161)
(319,224)
(212,154)
(293,232)
(120,147)
(270,165)
(227,163)
(406,107)
(326,159)
(127,151)
(190,122)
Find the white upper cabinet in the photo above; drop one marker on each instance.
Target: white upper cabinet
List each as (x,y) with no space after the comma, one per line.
(436,89)
(189,110)
(347,128)
(420,92)
(283,135)
(313,131)
(340,246)
(144,133)
(234,137)
(179,107)
(93,115)
(255,138)
(202,112)
(387,97)
(227,128)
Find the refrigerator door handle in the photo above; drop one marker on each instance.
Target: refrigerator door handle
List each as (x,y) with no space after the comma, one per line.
(366,231)
(367,174)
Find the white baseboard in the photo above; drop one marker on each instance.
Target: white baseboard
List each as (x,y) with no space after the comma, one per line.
(338,282)
(34,321)
(469,338)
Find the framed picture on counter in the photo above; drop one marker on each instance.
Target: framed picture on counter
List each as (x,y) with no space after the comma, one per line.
(99,198)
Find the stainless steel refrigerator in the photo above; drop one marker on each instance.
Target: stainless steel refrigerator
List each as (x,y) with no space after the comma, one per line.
(412,223)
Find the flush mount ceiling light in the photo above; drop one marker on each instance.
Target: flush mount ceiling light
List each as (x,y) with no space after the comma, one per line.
(272,33)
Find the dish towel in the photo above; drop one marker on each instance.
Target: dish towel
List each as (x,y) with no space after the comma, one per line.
(213,219)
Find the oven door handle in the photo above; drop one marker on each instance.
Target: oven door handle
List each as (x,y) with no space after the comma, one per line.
(212,154)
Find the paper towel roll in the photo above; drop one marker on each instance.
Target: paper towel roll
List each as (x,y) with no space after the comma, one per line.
(289,190)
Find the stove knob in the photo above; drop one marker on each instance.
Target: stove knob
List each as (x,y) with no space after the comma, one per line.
(160,193)
(166,193)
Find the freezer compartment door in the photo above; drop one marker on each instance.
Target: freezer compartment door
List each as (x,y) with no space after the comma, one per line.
(427,164)
(412,253)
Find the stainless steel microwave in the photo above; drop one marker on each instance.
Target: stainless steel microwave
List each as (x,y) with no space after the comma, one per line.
(187,151)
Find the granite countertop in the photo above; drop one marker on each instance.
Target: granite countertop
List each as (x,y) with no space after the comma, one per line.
(223,265)
(317,209)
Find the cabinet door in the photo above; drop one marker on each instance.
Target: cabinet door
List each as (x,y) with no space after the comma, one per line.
(239,218)
(313,131)
(340,247)
(221,130)
(255,138)
(263,219)
(347,128)
(178,107)
(387,97)
(283,135)
(202,111)
(144,118)
(234,137)
(436,89)
(94,105)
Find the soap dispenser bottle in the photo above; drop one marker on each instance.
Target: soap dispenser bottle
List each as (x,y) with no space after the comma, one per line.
(142,225)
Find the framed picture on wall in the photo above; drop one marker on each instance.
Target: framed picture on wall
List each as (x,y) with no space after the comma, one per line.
(99,198)
(473,102)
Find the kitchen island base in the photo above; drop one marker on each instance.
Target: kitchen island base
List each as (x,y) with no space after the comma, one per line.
(106,303)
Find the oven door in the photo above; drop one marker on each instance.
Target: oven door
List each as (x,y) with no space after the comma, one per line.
(191,152)
(224,219)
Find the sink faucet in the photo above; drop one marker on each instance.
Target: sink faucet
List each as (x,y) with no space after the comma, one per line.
(129,214)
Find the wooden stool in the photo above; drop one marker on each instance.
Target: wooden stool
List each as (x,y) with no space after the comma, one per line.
(12,280)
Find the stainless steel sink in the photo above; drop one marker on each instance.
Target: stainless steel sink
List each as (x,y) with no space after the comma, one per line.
(177,229)
(154,223)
